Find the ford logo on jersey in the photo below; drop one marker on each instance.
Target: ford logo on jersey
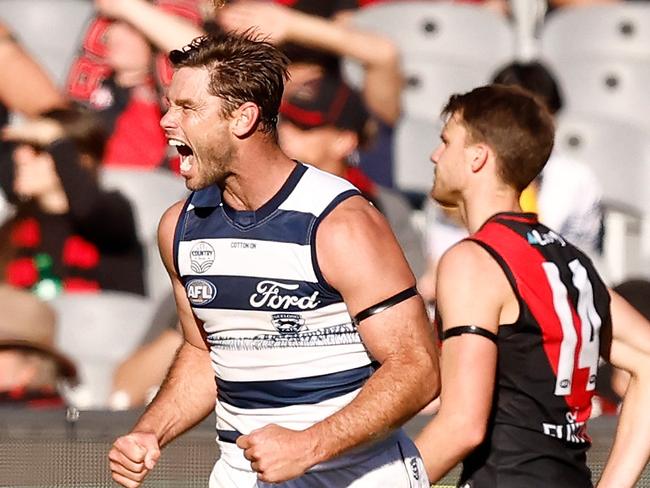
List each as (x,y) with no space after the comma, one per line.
(200,292)
(276,295)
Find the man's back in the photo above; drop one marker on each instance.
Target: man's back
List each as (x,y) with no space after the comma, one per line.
(547,358)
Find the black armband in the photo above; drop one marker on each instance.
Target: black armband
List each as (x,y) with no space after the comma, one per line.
(383,305)
(468,329)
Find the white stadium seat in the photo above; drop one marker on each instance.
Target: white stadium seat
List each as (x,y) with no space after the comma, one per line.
(607,87)
(445,48)
(619,154)
(611,30)
(98,331)
(414,141)
(50,30)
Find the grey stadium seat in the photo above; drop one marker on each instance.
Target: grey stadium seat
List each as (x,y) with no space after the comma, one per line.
(429,83)
(414,141)
(50,30)
(619,154)
(607,87)
(448,47)
(614,30)
(451,31)
(98,331)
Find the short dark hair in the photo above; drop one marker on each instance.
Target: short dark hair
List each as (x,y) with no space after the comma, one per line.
(243,68)
(534,77)
(516,125)
(84,128)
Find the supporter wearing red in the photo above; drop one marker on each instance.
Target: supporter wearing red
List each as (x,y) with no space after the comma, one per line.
(523,317)
(325,123)
(31,368)
(67,232)
(119,72)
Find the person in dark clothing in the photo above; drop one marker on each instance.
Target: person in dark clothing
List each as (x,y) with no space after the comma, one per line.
(66,233)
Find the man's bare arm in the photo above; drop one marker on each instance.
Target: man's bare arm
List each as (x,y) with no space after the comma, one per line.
(186,396)
(360,257)
(165,30)
(469,291)
(188,393)
(626,343)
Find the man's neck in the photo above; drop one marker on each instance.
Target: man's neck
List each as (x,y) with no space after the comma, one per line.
(260,174)
(480,206)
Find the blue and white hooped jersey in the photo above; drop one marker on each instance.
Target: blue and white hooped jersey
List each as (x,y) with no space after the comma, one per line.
(283,346)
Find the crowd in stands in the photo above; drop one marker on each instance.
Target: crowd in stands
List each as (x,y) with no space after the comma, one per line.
(63,231)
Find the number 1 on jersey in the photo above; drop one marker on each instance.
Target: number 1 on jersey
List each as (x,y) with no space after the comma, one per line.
(590,323)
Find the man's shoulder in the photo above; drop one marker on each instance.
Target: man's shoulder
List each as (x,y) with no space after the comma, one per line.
(468,262)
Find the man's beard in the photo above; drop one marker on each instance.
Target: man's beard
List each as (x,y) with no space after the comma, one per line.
(216,167)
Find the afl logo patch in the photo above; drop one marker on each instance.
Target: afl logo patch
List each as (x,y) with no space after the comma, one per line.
(200,292)
(201,257)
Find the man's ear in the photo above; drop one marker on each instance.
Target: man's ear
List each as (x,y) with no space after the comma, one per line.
(479,155)
(245,119)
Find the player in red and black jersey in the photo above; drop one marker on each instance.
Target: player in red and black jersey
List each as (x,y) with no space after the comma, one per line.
(523,317)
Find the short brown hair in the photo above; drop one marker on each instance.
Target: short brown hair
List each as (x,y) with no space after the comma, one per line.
(517,126)
(243,68)
(84,128)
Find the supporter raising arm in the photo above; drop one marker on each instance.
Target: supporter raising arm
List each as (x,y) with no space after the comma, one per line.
(164,30)
(378,55)
(24,86)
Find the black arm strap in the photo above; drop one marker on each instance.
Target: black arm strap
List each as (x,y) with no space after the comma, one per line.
(468,329)
(383,305)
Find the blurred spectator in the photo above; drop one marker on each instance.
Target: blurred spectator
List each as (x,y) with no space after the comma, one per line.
(553,4)
(308,28)
(25,88)
(324,123)
(567,195)
(316,35)
(120,70)
(67,233)
(499,6)
(444,228)
(31,368)
(138,377)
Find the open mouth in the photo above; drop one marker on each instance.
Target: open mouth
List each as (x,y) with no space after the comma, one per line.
(185,152)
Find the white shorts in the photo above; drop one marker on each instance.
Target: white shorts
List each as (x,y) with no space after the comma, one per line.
(393,463)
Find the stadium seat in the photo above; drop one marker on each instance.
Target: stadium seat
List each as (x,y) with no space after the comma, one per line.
(607,87)
(444,47)
(50,30)
(619,154)
(455,32)
(428,85)
(98,331)
(151,192)
(414,141)
(611,30)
